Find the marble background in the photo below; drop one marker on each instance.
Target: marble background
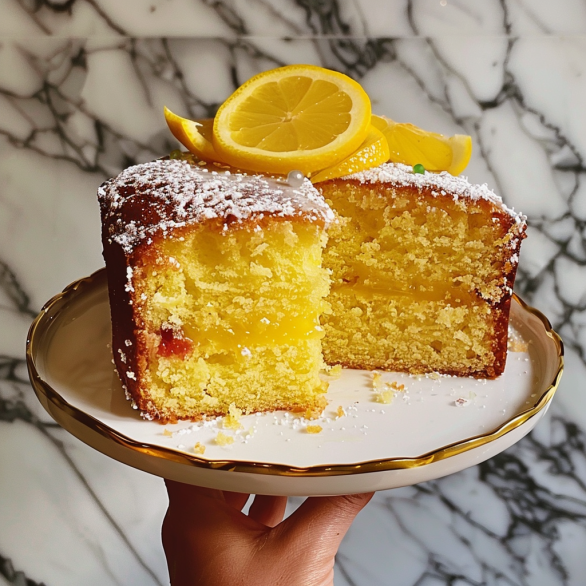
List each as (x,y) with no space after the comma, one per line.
(82,86)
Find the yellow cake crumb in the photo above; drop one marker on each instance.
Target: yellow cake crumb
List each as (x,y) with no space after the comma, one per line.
(312,413)
(340,411)
(232,420)
(376,378)
(167,433)
(224,440)
(314,428)
(518,346)
(386,394)
(335,371)
(516,342)
(396,386)
(316,410)
(199,448)
(385,397)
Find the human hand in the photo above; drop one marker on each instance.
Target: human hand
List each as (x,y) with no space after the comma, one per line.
(209,541)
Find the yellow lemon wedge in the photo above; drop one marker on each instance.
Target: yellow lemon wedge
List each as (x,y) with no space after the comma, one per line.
(194,135)
(295,117)
(411,145)
(372,152)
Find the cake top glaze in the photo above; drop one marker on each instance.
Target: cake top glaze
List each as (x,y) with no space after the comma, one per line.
(442,183)
(156,197)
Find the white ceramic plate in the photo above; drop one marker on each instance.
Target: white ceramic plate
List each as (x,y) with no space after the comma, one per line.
(436,426)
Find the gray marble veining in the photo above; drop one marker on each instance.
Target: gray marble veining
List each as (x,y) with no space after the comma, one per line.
(82,86)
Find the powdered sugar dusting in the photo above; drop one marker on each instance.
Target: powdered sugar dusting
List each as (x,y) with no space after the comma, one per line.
(156,197)
(437,183)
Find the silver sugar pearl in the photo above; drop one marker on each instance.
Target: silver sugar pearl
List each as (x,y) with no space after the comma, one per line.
(295,178)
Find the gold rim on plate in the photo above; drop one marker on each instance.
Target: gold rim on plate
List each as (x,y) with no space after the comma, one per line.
(46,393)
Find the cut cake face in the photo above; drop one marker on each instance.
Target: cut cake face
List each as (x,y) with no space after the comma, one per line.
(216,290)
(221,291)
(423,269)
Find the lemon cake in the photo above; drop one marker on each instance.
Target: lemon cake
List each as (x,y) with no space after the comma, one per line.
(230,290)
(216,289)
(423,266)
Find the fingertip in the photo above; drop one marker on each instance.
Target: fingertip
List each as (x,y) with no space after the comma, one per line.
(358,501)
(342,506)
(327,512)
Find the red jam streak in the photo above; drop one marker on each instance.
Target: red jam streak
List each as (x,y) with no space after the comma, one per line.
(173,342)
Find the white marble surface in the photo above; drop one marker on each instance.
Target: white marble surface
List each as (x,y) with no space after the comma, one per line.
(82,85)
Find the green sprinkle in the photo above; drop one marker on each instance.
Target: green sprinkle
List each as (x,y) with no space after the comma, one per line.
(176,154)
(419,168)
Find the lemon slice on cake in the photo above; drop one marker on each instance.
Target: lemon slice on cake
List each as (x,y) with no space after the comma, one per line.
(411,145)
(372,152)
(194,135)
(295,117)
(317,121)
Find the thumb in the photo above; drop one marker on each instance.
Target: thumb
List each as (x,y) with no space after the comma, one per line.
(321,523)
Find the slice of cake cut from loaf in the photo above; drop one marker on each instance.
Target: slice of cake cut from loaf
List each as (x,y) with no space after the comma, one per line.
(216,289)
(423,267)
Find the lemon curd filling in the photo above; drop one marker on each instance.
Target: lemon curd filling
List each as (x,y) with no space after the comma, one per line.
(243,310)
